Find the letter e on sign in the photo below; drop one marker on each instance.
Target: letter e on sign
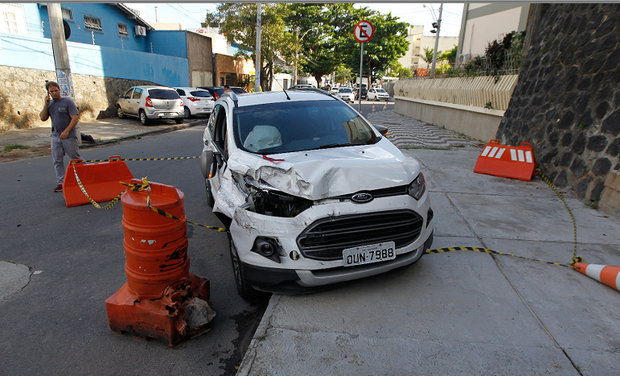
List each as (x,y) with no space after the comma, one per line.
(363,31)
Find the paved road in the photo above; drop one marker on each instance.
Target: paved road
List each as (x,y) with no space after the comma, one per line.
(55,323)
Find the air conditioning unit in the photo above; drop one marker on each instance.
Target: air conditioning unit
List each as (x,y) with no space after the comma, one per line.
(140,30)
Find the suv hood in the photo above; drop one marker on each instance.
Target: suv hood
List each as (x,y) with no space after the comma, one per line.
(319,174)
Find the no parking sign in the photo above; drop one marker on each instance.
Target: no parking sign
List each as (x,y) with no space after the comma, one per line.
(363,31)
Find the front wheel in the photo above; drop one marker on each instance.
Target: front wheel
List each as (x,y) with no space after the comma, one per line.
(186,113)
(243,288)
(120,113)
(143,119)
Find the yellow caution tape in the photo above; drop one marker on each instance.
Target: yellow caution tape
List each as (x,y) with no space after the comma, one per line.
(95,204)
(490,251)
(144,159)
(575,258)
(145,185)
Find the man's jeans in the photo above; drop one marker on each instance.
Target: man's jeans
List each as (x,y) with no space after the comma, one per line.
(60,147)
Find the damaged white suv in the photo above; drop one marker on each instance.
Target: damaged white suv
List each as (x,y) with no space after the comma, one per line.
(312,193)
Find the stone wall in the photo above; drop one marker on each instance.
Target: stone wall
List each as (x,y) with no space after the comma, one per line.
(23,93)
(566,100)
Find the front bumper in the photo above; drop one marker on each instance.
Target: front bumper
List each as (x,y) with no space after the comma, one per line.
(299,281)
(267,274)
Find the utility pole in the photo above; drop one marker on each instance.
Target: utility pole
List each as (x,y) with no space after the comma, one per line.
(59,47)
(258,63)
(436,41)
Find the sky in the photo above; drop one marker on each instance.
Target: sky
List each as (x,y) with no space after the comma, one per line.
(191,14)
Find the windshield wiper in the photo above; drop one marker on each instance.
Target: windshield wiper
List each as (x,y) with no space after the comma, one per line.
(328,146)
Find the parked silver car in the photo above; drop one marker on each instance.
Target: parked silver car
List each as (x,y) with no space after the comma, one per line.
(150,102)
(196,101)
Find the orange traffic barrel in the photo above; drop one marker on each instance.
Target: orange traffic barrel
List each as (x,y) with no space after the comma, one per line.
(155,245)
(100,180)
(516,162)
(161,299)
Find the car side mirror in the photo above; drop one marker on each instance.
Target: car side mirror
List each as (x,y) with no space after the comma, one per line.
(206,162)
(121,96)
(383,130)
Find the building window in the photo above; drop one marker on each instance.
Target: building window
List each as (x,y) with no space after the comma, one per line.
(92,23)
(67,14)
(122,30)
(12,19)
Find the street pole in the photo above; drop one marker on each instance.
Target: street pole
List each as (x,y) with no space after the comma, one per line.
(359,89)
(59,48)
(436,42)
(258,63)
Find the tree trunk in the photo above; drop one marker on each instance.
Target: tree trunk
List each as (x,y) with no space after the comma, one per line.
(318,80)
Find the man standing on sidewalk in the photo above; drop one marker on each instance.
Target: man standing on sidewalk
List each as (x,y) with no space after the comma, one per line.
(65,117)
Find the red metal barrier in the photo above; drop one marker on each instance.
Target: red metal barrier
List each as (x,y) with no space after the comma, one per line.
(515,162)
(100,180)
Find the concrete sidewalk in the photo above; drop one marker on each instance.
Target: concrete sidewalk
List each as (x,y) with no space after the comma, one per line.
(463,313)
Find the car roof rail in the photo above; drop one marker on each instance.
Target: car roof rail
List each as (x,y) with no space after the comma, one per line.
(315,89)
(233,96)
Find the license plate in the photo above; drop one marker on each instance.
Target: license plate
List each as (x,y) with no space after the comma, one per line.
(368,254)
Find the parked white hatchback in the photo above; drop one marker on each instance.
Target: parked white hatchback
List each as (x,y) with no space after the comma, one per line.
(346,94)
(312,194)
(150,102)
(378,94)
(196,101)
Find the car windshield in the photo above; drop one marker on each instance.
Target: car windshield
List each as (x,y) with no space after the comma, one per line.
(295,126)
(347,90)
(201,94)
(163,94)
(380,91)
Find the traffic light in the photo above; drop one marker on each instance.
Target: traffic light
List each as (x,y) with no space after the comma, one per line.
(435,27)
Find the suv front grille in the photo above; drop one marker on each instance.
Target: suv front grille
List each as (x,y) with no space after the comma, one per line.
(326,238)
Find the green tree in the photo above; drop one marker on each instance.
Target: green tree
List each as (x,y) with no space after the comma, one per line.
(314,27)
(404,73)
(212,19)
(238,25)
(450,56)
(343,74)
(428,55)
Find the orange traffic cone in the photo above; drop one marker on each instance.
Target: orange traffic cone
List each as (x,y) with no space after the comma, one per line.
(373,107)
(609,275)
(385,106)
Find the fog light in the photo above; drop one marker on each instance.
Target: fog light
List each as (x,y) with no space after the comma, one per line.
(267,247)
(294,255)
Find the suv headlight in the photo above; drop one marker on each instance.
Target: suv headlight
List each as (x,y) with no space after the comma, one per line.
(417,187)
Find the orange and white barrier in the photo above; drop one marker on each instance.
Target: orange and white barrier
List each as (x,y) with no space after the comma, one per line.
(506,161)
(607,274)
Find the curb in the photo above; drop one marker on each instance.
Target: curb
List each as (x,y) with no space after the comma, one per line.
(155,131)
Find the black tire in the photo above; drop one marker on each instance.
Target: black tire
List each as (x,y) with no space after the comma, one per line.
(143,119)
(179,121)
(120,113)
(208,193)
(243,288)
(186,113)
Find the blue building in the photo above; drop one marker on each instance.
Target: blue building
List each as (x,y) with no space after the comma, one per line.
(103,39)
